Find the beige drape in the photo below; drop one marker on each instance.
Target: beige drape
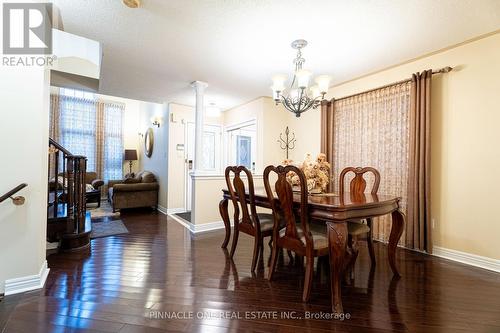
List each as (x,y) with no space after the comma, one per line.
(327,121)
(418,218)
(99,140)
(54,117)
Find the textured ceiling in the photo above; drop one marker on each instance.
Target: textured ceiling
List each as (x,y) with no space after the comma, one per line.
(154,52)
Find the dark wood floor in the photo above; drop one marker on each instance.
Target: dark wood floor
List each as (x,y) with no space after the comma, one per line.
(159,268)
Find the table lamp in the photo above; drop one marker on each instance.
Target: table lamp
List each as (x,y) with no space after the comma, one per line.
(130,155)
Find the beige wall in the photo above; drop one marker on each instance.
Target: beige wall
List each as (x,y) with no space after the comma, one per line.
(253,110)
(208,194)
(306,128)
(271,120)
(464,134)
(24,133)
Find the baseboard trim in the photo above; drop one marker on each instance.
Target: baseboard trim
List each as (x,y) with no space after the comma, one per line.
(467,258)
(162,209)
(27,283)
(198,228)
(176,210)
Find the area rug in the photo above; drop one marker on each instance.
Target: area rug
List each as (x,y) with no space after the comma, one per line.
(108,228)
(104,211)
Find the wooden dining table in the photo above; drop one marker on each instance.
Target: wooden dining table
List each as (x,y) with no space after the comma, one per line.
(335,211)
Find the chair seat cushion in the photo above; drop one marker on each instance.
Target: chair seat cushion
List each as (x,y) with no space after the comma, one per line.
(355,228)
(320,240)
(266,221)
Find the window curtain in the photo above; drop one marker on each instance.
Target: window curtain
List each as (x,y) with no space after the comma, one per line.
(389,129)
(90,128)
(327,121)
(419,220)
(372,129)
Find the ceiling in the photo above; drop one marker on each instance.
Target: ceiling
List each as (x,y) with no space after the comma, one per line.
(154,52)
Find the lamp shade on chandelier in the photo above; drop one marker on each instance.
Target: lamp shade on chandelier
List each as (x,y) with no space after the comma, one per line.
(300,97)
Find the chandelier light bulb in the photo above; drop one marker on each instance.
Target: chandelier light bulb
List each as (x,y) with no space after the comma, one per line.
(315,92)
(279,82)
(303,77)
(276,93)
(323,82)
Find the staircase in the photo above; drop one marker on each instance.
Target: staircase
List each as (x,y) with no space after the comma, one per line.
(67,220)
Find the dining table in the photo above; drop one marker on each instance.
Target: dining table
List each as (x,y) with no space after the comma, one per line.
(335,211)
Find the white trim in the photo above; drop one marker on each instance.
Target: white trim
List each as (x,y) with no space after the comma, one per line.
(198,228)
(176,210)
(467,258)
(162,209)
(27,283)
(248,122)
(168,211)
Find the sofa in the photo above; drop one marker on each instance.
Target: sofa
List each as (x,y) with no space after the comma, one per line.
(134,192)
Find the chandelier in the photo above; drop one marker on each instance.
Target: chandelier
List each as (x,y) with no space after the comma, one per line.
(299,98)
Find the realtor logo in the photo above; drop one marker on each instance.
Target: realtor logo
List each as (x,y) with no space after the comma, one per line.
(27,28)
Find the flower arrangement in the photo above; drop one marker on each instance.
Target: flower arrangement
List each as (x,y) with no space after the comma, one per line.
(317,173)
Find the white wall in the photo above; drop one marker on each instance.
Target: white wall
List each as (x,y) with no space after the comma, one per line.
(181,114)
(24,132)
(158,162)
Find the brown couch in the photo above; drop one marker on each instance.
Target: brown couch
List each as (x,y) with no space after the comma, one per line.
(138,191)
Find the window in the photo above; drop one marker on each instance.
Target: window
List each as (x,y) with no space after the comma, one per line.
(244,150)
(77,128)
(242,145)
(92,128)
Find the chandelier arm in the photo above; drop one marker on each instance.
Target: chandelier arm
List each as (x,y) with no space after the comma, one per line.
(286,104)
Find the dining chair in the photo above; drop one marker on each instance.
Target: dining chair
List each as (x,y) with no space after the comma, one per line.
(356,228)
(296,237)
(257,225)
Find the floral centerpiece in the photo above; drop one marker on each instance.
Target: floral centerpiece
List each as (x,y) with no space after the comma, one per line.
(317,173)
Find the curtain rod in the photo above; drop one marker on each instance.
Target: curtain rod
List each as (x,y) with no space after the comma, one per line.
(446,69)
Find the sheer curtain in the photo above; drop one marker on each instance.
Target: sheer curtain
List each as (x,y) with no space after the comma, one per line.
(77,128)
(372,129)
(113,141)
(90,128)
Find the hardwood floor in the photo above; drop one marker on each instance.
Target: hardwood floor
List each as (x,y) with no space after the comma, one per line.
(128,282)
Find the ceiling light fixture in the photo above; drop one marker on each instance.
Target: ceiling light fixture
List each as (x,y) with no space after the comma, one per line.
(299,98)
(132,3)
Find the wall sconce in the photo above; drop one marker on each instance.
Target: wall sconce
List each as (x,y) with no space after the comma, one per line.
(156,121)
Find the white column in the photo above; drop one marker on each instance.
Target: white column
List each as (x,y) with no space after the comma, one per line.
(199,87)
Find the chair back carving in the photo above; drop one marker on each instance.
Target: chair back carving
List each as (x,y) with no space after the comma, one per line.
(357,186)
(283,209)
(237,191)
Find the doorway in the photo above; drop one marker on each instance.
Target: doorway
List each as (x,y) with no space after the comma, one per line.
(212,157)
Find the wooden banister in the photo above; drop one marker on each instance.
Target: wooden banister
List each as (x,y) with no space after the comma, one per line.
(12,192)
(66,190)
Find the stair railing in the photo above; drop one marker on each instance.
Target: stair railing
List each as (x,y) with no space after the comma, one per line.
(18,200)
(66,190)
